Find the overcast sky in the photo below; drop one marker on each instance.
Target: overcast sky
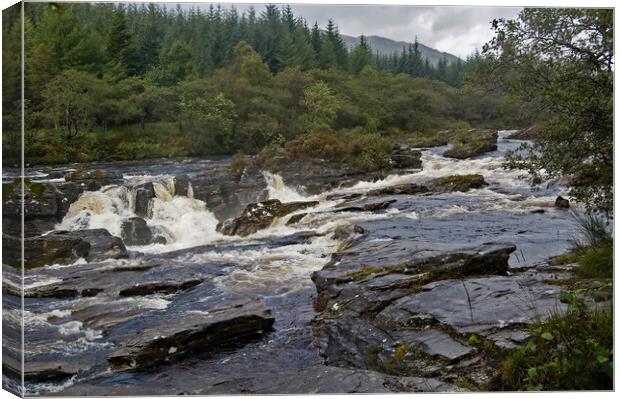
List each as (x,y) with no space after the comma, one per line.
(457,30)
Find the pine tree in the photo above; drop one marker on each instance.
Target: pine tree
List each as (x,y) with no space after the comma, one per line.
(339,49)
(360,57)
(118,45)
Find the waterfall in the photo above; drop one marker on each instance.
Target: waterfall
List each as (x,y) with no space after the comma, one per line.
(278,190)
(183,221)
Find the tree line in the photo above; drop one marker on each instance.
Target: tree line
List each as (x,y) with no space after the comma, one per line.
(118,81)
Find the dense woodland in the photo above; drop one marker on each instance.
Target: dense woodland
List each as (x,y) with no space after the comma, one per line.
(105,82)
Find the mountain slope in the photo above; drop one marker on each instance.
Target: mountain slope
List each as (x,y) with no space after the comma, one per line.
(384,45)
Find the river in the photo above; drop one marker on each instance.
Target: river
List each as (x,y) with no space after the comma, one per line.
(274,264)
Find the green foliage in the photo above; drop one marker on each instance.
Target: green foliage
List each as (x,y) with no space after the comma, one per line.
(560,62)
(319,105)
(210,121)
(110,81)
(596,262)
(367,151)
(573,351)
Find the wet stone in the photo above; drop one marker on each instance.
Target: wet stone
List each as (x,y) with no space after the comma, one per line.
(182,335)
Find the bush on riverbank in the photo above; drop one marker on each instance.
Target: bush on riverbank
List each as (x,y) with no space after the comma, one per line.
(567,352)
(367,151)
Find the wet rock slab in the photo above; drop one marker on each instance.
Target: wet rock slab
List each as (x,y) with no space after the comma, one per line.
(360,324)
(311,380)
(480,305)
(182,335)
(133,278)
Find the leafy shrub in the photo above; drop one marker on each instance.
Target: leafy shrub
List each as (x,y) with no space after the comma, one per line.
(368,151)
(238,165)
(318,144)
(567,352)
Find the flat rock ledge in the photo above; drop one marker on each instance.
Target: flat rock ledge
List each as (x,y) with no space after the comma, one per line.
(203,331)
(425,312)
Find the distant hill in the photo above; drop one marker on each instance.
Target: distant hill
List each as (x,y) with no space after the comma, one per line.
(384,45)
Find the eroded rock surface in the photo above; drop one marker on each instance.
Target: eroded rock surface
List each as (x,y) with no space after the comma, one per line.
(408,309)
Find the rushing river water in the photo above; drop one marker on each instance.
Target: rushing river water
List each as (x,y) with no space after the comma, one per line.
(266,264)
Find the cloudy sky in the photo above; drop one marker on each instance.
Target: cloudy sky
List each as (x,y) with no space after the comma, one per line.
(458,30)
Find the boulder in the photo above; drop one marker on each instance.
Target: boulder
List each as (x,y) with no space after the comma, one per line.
(562,203)
(530,133)
(479,305)
(295,219)
(439,185)
(457,183)
(103,245)
(63,247)
(182,185)
(345,232)
(135,231)
(405,189)
(44,250)
(406,158)
(45,204)
(470,150)
(260,215)
(183,335)
(144,193)
(470,143)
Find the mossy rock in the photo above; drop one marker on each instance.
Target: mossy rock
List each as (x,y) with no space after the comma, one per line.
(458,183)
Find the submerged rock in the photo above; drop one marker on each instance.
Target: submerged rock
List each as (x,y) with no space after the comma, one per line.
(201,332)
(260,216)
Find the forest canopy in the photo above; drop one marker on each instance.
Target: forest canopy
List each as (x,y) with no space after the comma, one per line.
(128,81)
